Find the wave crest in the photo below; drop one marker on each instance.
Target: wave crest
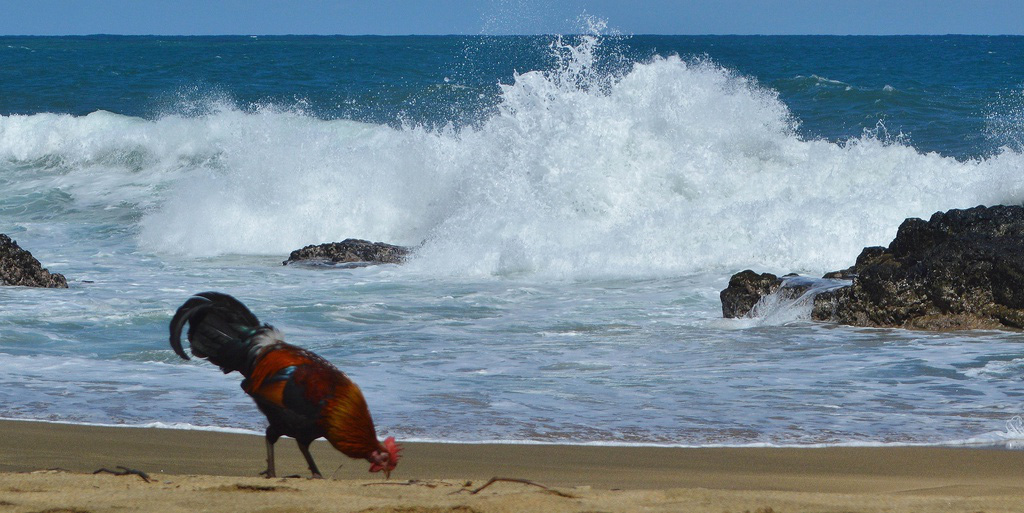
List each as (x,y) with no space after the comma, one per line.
(668,167)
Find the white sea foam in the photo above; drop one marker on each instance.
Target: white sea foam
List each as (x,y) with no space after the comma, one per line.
(998,369)
(675,167)
(1013,438)
(105,158)
(183,426)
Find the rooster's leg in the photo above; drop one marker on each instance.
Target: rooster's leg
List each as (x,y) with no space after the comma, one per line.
(271,440)
(304,447)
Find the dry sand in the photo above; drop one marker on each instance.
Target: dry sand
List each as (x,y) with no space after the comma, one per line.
(48,468)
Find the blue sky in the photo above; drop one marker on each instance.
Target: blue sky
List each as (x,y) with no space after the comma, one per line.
(206,17)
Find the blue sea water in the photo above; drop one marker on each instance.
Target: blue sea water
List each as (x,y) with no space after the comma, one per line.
(577,204)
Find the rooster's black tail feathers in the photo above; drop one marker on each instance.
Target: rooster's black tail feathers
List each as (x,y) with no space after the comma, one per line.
(220,327)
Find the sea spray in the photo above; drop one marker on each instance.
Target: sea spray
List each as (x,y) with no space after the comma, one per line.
(674,167)
(670,167)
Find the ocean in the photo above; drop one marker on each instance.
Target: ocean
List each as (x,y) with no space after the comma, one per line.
(576,203)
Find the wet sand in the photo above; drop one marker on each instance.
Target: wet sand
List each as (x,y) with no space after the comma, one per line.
(48,467)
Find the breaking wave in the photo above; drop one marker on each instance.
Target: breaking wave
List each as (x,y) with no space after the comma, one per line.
(669,167)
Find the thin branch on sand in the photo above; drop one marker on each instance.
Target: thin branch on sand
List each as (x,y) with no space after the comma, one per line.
(411,482)
(125,471)
(516,480)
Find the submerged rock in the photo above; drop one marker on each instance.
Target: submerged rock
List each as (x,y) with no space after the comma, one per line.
(751,294)
(745,289)
(19,267)
(961,269)
(349,253)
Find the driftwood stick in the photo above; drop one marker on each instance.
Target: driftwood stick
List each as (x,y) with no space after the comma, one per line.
(522,481)
(125,471)
(410,482)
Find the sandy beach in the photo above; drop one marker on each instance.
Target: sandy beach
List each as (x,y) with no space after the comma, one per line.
(49,467)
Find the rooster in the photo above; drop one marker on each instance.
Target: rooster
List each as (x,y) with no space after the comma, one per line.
(302,395)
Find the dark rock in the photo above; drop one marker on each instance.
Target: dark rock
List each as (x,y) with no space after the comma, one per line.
(349,253)
(744,291)
(961,269)
(19,267)
(826,303)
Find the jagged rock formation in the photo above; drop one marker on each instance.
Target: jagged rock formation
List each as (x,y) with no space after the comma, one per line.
(19,267)
(349,253)
(961,269)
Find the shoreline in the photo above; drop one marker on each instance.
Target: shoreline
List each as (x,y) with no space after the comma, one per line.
(29,445)
(57,460)
(978,442)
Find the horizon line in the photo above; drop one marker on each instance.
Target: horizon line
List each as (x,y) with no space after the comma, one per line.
(111,34)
